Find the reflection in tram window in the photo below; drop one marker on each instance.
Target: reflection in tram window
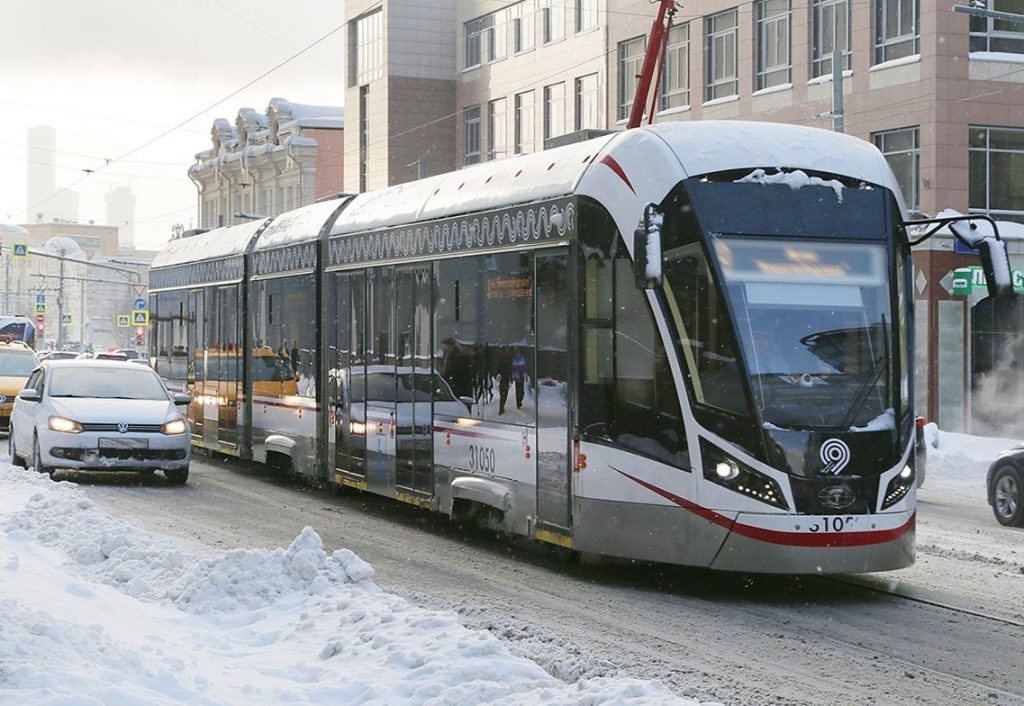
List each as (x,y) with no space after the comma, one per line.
(284,326)
(626,395)
(485,333)
(169,323)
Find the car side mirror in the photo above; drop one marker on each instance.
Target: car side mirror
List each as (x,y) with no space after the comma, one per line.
(30,395)
(181,399)
(468,401)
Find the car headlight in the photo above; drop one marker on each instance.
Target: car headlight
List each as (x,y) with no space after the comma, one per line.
(721,469)
(68,426)
(175,426)
(357,428)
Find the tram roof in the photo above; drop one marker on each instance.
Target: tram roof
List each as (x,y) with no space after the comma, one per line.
(491,185)
(299,225)
(213,244)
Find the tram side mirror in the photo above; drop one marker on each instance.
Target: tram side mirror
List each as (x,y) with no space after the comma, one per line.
(468,401)
(647,249)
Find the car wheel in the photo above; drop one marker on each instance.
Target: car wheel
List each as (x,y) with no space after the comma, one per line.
(37,459)
(1008,496)
(15,458)
(177,476)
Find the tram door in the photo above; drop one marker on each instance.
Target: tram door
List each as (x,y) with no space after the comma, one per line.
(554,458)
(413,410)
(379,388)
(227,367)
(347,376)
(194,377)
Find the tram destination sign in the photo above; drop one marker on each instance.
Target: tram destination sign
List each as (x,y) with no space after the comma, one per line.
(968,279)
(519,226)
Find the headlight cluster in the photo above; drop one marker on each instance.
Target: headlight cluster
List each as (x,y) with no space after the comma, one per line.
(68,426)
(175,426)
(723,470)
(898,486)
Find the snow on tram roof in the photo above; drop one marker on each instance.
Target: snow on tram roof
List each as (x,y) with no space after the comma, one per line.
(490,185)
(211,245)
(299,225)
(710,146)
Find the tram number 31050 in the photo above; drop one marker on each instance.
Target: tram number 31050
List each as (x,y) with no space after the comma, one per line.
(830,524)
(481,459)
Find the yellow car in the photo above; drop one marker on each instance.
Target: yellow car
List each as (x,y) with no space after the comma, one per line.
(17,361)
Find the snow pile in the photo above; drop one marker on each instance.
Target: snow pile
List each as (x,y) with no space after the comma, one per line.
(795,180)
(96,611)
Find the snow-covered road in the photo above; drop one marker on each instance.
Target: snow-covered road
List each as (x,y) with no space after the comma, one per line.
(706,636)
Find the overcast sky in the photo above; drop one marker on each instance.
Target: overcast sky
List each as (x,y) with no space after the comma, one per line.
(110,75)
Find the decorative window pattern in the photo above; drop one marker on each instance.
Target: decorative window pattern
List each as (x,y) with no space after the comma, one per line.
(722,55)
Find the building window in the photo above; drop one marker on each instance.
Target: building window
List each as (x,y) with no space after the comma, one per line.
(471,125)
(675,83)
(553,19)
(588,98)
(364,142)
(524,123)
(990,34)
(586,14)
(773,60)
(631,57)
(474,31)
(902,151)
(830,28)
(497,35)
(722,80)
(554,110)
(366,49)
(896,29)
(522,14)
(497,129)
(996,172)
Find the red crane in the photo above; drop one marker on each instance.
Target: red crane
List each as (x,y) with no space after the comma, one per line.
(654,58)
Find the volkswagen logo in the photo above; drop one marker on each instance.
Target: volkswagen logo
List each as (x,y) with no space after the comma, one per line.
(836,497)
(122,427)
(3,398)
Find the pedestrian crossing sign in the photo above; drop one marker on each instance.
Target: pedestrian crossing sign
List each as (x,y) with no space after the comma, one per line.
(124,321)
(140,318)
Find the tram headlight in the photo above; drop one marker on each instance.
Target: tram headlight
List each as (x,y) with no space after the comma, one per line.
(898,487)
(723,470)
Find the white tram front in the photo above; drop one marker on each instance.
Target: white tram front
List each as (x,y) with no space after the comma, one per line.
(685,343)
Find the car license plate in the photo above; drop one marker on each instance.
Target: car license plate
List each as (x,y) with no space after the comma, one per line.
(119,443)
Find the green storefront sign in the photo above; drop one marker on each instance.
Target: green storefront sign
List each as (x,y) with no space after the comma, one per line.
(967,279)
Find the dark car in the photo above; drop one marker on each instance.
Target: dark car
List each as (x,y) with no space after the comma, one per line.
(1006,487)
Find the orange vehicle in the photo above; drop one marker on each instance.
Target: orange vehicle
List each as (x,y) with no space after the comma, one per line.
(17,361)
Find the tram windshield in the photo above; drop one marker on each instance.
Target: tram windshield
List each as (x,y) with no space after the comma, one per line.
(814,324)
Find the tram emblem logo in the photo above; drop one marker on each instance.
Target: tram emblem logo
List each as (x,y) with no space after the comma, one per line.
(835,454)
(122,427)
(837,497)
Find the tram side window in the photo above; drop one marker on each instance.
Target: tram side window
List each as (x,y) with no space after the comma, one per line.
(485,334)
(627,394)
(171,341)
(298,330)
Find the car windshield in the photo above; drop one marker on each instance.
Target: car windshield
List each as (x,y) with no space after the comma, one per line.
(132,383)
(16,364)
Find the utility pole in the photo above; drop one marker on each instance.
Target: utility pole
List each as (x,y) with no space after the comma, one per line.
(60,304)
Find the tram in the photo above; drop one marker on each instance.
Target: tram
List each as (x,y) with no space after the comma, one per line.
(683,343)
(18,328)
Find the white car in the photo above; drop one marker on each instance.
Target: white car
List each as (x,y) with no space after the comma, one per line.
(99,415)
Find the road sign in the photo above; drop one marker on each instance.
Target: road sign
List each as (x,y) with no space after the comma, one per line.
(40,328)
(40,318)
(140,331)
(139,290)
(19,250)
(124,321)
(40,299)
(140,318)
(139,304)
(65,319)
(40,308)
